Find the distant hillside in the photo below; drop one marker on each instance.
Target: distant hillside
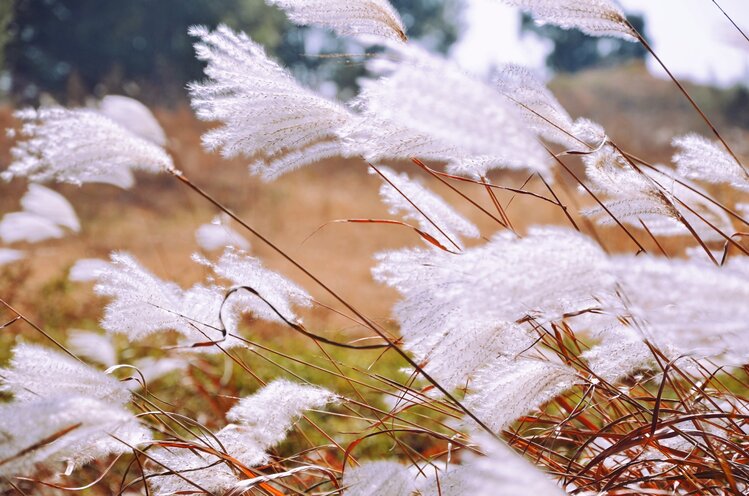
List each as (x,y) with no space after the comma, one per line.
(645,112)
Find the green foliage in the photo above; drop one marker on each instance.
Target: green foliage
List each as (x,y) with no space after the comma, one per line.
(74,48)
(575,51)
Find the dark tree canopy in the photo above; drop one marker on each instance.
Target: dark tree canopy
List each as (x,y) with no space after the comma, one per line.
(574,51)
(73,48)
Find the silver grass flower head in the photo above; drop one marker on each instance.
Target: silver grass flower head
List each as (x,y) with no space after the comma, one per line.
(9,256)
(218,234)
(507,389)
(93,346)
(265,113)
(620,353)
(87,269)
(39,372)
(368,18)
(241,269)
(83,429)
(501,472)
(379,478)
(689,307)
(652,197)
(538,106)
(79,146)
(261,421)
(430,209)
(704,160)
(133,116)
(51,205)
(18,227)
(593,17)
(499,280)
(429,108)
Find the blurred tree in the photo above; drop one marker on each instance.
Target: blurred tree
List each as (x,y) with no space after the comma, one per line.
(6,16)
(74,48)
(574,51)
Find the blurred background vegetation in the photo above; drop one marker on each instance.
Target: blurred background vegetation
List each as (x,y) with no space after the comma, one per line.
(72,49)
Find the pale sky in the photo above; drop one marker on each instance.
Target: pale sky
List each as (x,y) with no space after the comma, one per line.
(692,37)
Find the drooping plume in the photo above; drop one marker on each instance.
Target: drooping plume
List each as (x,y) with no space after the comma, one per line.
(243,270)
(80,146)
(64,430)
(414,202)
(347,17)
(133,116)
(701,159)
(218,234)
(260,422)
(650,196)
(51,205)
(39,372)
(93,346)
(460,312)
(265,113)
(593,17)
(429,108)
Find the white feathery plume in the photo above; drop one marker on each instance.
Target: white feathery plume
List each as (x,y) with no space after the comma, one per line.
(261,421)
(379,478)
(430,109)
(87,269)
(270,412)
(404,193)
(218,234)
(501,472)
(8,256)
(51,205)
(538,106)
(38,372)
(620,352)
(650,196)
(133,116)
(143,304)
(459,312)
(243,270)
(685,306)
(24,226)
(704,160)
(93,346)
(69,430)
(375,18)
(80,146)
(153,369)
(265,113)
(593,17)
(507,389)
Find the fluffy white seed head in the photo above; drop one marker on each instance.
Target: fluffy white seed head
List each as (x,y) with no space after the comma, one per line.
(507,389)
(64,430)
(429,108)
(8,256)
(39,372)
(538,106)
(593,17)
(704,160)
(24,226)
(370,18)
(400,193)
(265,113)
(218,234)
(243,270)
(51,205)
(379,478)
(93,346)
(80,146)
(87,269)
(133,116)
